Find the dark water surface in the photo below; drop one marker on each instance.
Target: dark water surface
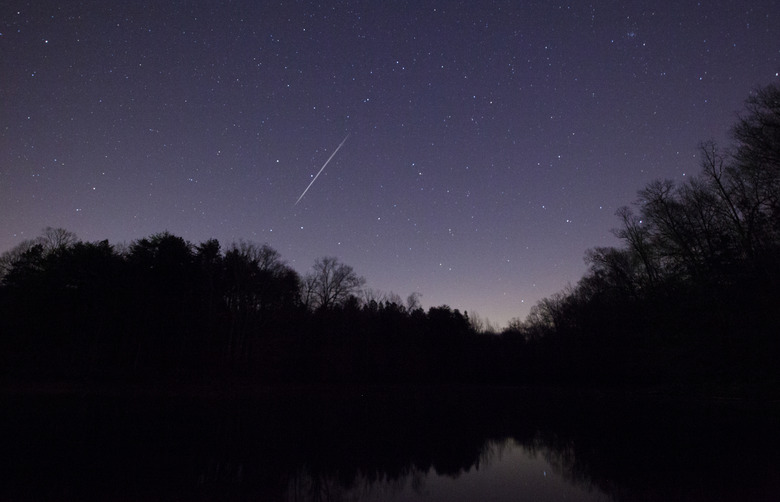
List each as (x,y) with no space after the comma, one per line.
(387,444)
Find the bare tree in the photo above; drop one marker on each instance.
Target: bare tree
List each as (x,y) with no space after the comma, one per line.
(330,283)
(370,296)
(265,257)
(308,287)
(413,301)
(757,163)
(481,325)
(8,258)
(638,237)
(55,238)
(394,298)
(50,240)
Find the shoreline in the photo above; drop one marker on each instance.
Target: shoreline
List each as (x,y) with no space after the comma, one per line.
(246,389)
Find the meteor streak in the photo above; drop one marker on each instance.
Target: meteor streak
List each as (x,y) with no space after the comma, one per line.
(322,169)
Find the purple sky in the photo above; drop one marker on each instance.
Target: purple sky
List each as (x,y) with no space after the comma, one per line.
(490,143)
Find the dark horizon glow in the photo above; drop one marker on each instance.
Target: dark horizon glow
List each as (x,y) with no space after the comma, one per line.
(490,142)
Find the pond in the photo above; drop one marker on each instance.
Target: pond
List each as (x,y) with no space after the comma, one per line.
(377,444)
(505,470)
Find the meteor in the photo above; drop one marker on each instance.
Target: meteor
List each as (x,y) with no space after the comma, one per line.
(322,169)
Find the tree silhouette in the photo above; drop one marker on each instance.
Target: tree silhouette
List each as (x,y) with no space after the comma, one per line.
(49,240)
(696,279)
(330,283)
(260,288)
(54,238)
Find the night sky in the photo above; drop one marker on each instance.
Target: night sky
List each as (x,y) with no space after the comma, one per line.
(489,143)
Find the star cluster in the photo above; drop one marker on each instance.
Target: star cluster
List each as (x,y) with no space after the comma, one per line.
(490,142)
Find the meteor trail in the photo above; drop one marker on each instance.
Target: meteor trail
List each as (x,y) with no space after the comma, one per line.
(322,169)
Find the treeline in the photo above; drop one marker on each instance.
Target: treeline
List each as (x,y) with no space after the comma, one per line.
(693,295)
(164,308)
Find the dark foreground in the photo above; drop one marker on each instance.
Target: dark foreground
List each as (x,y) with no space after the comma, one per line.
(384,444)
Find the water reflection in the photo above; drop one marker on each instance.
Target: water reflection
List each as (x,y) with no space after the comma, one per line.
(400,445)
(507,471)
